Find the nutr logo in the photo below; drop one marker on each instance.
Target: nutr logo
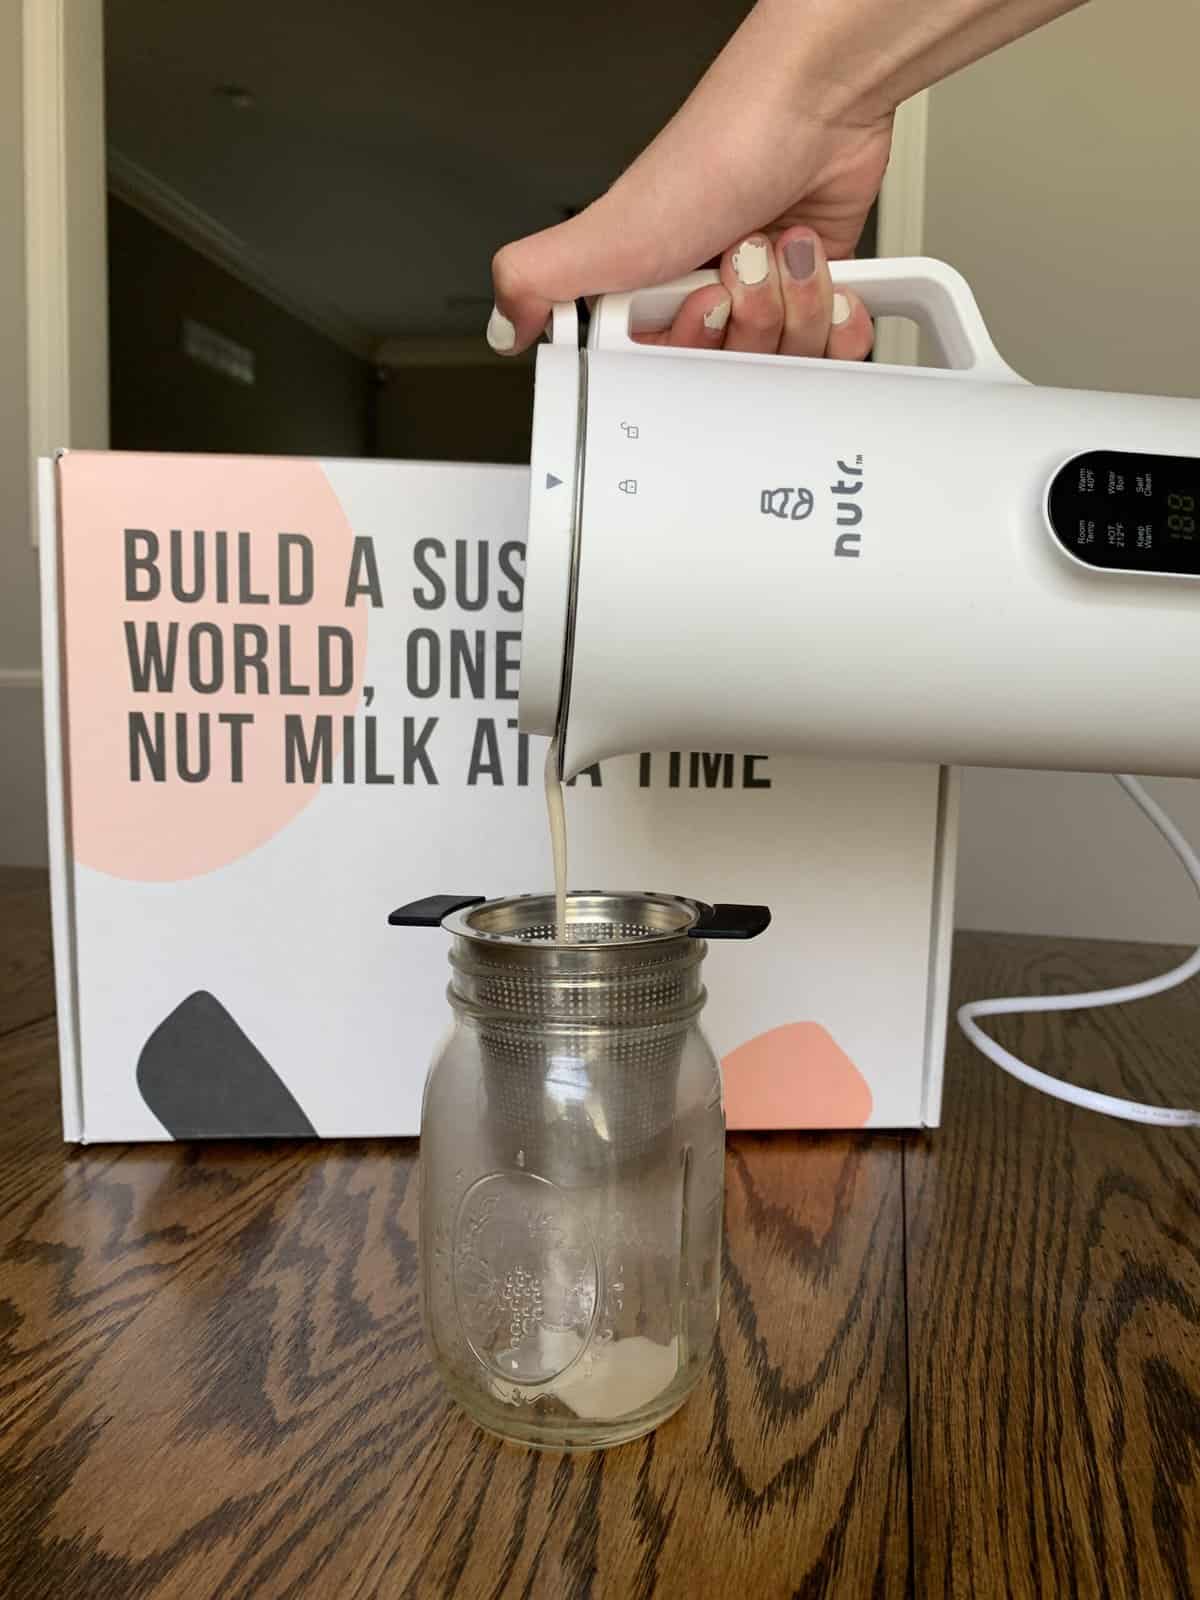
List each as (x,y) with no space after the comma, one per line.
(849,509)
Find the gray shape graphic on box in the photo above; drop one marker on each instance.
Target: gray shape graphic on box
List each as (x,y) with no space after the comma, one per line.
(204,1079)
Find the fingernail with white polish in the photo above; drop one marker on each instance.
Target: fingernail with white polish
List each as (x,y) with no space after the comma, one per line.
(717,316)
(841,310)
(751,261)
(501,334)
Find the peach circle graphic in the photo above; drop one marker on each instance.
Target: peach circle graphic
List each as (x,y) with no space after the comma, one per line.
(794,1076)
(160,831)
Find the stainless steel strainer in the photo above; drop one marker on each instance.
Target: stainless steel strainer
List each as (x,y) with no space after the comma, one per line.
(580,1038)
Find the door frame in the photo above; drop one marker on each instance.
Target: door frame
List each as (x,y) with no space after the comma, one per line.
(901,230)
(66,265)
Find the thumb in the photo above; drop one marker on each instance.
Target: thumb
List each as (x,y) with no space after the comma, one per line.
(666,215)
(613,244)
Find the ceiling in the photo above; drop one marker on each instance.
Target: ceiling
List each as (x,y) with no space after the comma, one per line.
(391,147)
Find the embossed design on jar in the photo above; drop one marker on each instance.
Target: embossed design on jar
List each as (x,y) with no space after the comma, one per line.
(526,1277)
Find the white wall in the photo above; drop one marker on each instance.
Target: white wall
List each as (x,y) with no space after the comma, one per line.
(21,826)
(1063,180)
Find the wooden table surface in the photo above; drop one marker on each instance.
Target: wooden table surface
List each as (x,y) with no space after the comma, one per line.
(964,1363)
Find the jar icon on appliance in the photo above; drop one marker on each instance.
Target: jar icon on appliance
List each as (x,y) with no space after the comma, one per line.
(572,1162)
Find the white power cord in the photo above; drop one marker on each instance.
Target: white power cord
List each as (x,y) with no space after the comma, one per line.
(1108,1104)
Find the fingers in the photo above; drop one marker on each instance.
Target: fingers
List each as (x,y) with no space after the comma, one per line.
(774,298)
(771,298)
(699,323)
(851,331)
(807,293)
(751,274)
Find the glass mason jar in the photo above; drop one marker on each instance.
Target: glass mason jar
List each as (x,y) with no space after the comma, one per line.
(572,1164)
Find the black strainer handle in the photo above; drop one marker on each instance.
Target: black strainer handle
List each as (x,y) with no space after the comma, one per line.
(731,922)
(428,913)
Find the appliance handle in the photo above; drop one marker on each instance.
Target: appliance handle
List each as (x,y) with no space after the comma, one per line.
(562,325)
(928,291)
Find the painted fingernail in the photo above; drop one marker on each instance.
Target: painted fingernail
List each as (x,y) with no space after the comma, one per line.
(751,262)
(717,316)
(841,310)
(501,334)
(801,258)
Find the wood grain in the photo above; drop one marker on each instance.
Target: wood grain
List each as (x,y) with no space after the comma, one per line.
(785,1474)
(26,968)
(1054,1298)
(213,1380)
(214,1383)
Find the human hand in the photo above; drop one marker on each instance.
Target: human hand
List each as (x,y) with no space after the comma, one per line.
(741,176)
(785,138)
(773,297)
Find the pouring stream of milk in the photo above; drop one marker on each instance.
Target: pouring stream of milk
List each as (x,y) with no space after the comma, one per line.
(556,808)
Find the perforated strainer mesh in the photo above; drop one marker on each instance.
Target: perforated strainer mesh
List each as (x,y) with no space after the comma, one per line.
(597,917)
(587,932)
(580,1039)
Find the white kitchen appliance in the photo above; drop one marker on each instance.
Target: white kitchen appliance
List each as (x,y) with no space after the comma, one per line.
(949,565)
(768,553)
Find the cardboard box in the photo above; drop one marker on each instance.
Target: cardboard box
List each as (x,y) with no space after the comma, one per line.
(281,700)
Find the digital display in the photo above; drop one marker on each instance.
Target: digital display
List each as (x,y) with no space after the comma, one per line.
(1125,512)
